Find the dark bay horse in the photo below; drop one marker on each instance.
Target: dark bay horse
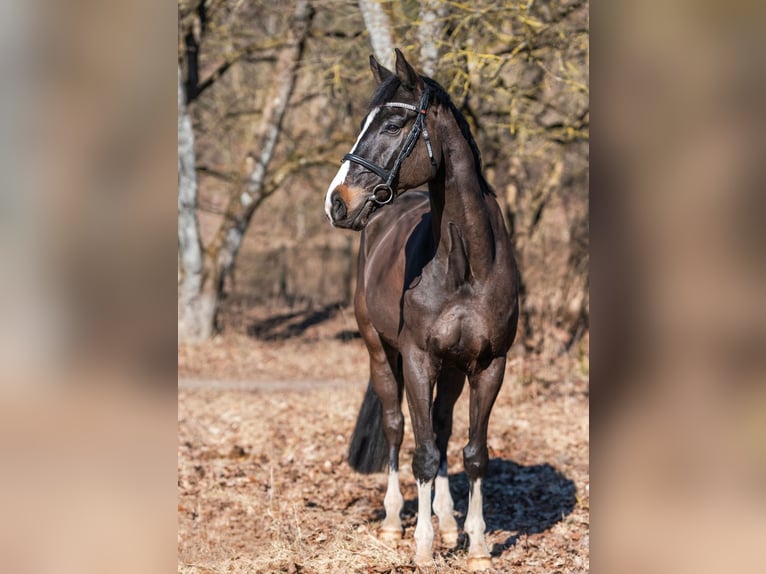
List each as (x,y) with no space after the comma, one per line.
(436,298)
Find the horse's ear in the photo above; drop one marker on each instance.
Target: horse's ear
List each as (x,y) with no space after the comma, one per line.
(379,71)
(406,73)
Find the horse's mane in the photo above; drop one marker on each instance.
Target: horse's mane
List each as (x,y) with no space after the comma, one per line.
(439,96)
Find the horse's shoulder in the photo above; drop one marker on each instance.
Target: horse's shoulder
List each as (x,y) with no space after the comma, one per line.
(396,222)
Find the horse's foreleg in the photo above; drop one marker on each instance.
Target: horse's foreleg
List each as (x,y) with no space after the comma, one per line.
(388,386)
(391,529)
(448,390)
(393,425)
(484,388)
(419,378)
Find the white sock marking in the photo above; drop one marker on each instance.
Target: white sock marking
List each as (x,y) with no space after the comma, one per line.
(474,522)
(443,506)
(424,531)
(393,503)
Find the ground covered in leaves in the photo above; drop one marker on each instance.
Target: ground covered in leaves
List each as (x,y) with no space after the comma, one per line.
(264,487)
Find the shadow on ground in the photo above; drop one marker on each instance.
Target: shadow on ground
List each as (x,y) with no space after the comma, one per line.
(295,324)
(517,499)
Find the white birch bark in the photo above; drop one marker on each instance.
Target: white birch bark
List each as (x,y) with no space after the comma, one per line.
(194,322)
(379,28)
(433,14)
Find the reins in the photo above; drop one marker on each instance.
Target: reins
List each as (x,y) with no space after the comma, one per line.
(389,176)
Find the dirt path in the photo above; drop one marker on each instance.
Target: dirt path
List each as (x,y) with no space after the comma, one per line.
(263,484)
(264,386)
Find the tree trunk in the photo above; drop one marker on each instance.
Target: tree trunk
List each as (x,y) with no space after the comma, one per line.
(379,28)
(202,284)
(195,319)
(433,14)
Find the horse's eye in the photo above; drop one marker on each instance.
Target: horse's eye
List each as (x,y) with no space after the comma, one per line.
(392,129)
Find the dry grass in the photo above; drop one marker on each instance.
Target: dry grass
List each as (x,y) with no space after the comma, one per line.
(263,484)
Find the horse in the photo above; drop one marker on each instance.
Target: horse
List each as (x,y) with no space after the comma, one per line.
(436,299)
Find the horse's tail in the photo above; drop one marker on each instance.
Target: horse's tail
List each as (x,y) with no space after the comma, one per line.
(368,451)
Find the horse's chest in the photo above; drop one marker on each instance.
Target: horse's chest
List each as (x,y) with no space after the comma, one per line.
(461,327)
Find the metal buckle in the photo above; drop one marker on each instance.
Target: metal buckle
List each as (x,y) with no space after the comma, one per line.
(384,187)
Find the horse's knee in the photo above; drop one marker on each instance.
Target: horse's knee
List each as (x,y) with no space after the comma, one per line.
(475,461)
(393,426)
(393,418)
(425,463)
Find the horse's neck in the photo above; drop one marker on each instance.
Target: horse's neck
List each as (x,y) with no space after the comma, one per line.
(461,215)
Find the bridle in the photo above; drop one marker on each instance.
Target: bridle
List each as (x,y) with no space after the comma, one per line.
(389,176)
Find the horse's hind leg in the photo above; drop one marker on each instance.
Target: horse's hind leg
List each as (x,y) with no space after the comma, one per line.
(484,388)
(448,390)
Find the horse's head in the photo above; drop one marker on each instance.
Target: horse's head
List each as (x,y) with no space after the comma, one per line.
(394,152)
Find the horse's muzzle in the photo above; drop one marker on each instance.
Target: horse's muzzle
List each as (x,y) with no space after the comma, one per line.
(344,217)
(351,207)
(337,207)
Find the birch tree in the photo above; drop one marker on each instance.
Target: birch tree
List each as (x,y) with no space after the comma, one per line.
(433,16)
(202,277)
(378,25)
(191,302)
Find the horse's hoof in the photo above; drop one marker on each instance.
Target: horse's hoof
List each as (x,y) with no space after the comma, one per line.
(390,535)
(476,563)
(424,561)
(449,538)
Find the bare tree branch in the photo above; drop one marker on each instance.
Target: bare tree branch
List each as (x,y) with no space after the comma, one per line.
(217,173)
(243,54)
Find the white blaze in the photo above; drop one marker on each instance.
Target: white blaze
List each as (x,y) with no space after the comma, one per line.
(340,177)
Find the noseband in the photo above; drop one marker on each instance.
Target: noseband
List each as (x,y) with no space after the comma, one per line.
(388,176)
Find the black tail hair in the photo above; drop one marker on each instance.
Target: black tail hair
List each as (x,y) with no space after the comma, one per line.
(368,451)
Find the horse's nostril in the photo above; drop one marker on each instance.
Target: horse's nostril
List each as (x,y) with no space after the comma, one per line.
(338,207)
